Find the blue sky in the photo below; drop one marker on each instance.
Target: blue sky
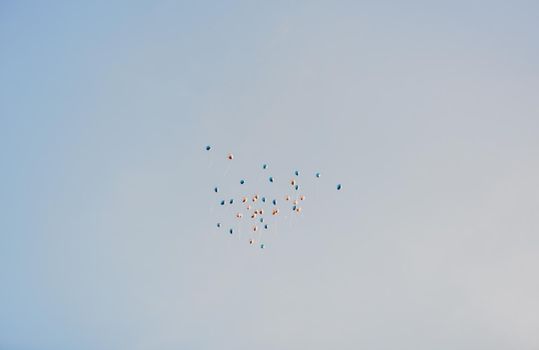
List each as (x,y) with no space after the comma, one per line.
(427,113)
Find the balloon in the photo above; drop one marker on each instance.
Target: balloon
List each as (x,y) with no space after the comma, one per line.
(259,219)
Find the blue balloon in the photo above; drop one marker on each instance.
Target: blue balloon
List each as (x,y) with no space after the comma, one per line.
(271,178)
(222,202)
(208,147)
(296,187)
(264,199)
(262,246)
(216,189)
(266,226)
(261,219)
(296,172)
(318,174)
(294,207)
(242,181)
(339,186)
(231,201)
(231,231)
(274,202)
(218,224)
(265,166)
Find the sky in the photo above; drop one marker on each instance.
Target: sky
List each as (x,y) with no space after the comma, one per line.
(426,112)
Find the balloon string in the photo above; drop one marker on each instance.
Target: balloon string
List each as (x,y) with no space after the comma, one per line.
(257,184)
(210,161)
(286,221)
(260,234)
(226,170)
(211,208)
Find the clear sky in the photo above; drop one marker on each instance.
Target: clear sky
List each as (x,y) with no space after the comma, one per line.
(428,113)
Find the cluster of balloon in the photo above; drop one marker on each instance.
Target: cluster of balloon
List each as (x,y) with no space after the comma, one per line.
(258,211)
